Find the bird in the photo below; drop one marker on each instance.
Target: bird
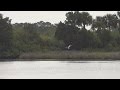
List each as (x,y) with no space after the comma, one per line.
(69,47)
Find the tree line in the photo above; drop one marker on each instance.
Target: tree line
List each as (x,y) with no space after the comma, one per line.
(103,34)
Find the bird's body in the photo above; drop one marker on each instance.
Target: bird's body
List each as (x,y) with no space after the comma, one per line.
(69,47)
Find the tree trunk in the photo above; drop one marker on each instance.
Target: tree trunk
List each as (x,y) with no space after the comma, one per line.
(84,27)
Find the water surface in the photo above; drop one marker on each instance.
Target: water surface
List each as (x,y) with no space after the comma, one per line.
(60,70)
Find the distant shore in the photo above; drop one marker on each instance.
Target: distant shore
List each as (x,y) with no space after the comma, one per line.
(66,56)
(71,55)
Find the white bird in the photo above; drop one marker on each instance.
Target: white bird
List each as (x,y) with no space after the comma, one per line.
(69,47)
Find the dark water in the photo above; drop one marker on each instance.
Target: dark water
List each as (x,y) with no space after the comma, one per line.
(60,70)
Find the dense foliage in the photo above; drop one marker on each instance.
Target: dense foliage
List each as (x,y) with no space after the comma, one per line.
(5,36)
(103,34)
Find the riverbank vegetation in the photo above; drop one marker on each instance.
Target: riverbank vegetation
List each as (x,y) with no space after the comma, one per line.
(102,36)
(73,55)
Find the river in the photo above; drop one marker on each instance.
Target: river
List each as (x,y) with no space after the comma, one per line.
(60,70)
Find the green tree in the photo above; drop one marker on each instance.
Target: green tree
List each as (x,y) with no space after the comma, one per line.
(71,33)
(67,33)
(86,39)
(79,19)
(111,21)
(5,33)
(98,23)
(105,37)
(86,19)
(6,37)
(71,18)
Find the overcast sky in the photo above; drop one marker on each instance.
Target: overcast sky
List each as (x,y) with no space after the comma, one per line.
(47,16)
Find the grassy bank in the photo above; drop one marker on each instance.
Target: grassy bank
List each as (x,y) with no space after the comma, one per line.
(78,55)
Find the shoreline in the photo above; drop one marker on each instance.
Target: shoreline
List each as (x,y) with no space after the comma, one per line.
(71,55)
(66,56)
(71,60)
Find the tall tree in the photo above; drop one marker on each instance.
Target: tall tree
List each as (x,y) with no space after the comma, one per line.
(79,19)
(67,33)
(98,23)
(111,21)
(86,19)
(71,18)
(5,33)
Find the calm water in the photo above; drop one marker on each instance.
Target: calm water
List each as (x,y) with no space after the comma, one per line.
(60,70)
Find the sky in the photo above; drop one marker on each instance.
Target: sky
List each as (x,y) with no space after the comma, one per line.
(47,16)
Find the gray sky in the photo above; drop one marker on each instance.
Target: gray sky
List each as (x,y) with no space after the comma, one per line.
(47,16)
